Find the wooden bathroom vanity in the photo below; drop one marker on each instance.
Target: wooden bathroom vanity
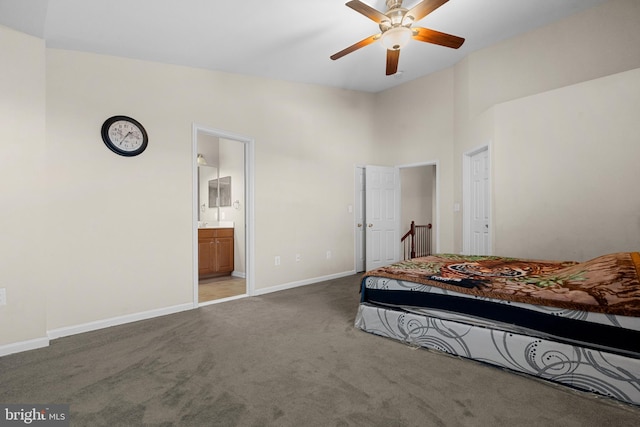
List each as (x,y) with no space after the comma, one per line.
(215,252)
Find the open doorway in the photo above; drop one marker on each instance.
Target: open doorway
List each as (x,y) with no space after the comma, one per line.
(417,199)
(223,215)
(420,202)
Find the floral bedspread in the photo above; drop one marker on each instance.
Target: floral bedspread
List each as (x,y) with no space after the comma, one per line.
(607,284)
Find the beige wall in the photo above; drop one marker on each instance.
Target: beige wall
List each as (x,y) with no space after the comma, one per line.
(94,236)
(123,225)
(22,196)
(599,42)
(120,228)
(414,124)
(417,195)
(446,114)
(566,171)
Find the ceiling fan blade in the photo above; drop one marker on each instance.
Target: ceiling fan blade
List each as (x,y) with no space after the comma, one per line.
(368,11)
(393,56)
(424,8)
(355,46)
(436,37)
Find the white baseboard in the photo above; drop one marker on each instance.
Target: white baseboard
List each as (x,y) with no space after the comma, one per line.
(21,346)
(115,321)
(302,283)
(239,274)
(120,320)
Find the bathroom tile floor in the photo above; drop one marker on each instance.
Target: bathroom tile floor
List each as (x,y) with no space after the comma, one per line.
(220,287)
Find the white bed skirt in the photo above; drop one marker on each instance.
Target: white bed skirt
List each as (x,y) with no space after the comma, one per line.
(600,372)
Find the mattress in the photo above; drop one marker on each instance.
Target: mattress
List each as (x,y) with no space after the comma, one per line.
(586,369)
(573,323)
(614,333)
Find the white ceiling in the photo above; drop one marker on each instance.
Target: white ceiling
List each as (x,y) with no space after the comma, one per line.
(282,39)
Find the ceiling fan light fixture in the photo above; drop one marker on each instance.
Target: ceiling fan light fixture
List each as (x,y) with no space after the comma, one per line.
(396,38)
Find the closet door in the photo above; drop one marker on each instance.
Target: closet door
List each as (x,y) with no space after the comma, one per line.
(479,198)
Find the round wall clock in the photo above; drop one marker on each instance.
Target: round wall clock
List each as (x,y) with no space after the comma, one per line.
(124,136)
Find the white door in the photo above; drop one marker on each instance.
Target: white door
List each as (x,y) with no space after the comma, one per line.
(382,216)
(479,203)
(359,220)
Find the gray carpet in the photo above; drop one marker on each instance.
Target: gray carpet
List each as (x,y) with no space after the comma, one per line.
(291,358)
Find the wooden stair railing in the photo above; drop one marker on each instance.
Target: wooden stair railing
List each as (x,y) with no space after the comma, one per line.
(417,241)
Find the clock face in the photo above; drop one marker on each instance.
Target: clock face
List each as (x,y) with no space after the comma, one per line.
(124,135)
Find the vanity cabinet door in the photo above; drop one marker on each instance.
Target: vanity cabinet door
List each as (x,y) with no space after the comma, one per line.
(206,253)
(224,254)
(224,250)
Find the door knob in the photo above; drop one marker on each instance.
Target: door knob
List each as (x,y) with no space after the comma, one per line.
(370,225)
(359,225)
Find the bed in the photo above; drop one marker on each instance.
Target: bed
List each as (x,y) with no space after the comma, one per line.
(577,324)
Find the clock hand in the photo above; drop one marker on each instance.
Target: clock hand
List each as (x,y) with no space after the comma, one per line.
(125,137)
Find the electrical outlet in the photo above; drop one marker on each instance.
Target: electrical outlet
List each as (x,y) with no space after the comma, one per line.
(3,296)
(298,257)
(328,254)
(277,260)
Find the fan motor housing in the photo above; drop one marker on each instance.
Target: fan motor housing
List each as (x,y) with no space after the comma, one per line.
(396,14)
(393,4)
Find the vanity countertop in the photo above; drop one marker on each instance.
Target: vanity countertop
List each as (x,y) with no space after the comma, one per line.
(215,224)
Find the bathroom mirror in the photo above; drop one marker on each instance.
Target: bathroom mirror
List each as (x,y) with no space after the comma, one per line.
(220,192)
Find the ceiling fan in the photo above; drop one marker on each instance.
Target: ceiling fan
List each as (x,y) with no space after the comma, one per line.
(396,31)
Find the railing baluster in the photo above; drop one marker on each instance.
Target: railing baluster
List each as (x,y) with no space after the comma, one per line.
(419,243)
(413,243)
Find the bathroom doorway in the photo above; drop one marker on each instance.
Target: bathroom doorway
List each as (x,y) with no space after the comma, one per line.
(222,215)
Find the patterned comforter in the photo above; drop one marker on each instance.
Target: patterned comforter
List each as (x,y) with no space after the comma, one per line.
(607,284)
